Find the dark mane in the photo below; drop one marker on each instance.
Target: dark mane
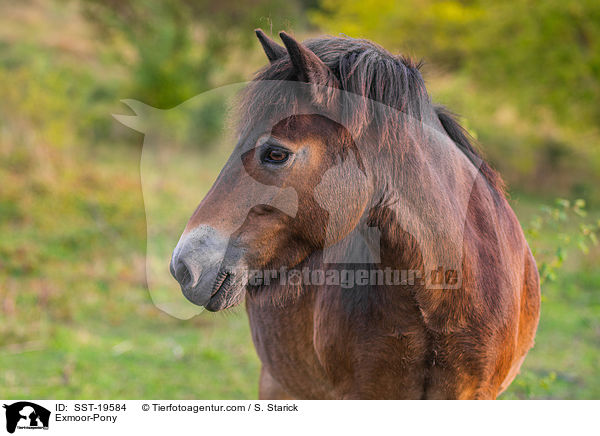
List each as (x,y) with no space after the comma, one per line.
(365,69)
(463,140)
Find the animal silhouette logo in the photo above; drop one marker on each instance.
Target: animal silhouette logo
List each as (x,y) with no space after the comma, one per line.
(26,415)
(436,232)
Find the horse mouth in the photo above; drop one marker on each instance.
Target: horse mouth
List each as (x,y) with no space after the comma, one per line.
(222,280)
(221,292)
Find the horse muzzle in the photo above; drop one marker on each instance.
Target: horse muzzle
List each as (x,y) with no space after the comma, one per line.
(209,270)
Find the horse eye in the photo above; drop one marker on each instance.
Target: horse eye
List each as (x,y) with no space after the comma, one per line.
(275,156)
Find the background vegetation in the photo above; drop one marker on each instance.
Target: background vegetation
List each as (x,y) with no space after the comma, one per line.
(76,319)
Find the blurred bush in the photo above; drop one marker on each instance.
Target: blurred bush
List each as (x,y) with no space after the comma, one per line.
(541,53)
(526,74)
(556,230)
(175,50)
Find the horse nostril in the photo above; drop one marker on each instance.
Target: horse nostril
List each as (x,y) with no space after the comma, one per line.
(182,274)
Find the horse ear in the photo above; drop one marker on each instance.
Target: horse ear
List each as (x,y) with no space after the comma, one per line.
(310,68)
(273,50)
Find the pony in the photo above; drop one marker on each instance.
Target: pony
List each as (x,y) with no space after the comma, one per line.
(374,247)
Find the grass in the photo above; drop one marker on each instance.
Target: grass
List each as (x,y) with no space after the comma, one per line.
(142,358)
(564,362)
(77,319)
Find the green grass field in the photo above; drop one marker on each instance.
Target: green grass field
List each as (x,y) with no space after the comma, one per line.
(77,320)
